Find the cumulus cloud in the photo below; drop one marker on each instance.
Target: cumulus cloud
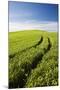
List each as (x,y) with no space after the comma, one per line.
(28,25)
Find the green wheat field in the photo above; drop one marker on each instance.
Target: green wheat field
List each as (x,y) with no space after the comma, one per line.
(33,59)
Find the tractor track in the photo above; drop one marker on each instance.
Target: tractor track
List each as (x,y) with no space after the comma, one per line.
(37,59)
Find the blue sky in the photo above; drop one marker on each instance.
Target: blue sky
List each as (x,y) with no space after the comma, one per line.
(31,14)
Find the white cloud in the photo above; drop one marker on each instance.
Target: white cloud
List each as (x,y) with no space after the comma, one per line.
(28,25)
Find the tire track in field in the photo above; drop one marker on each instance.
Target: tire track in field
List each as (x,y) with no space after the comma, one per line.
(34,64)
(37,59)
(34,46)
